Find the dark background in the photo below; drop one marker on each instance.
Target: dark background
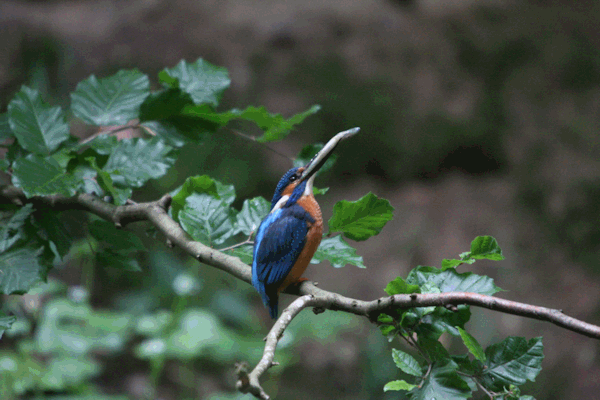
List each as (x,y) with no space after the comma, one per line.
(477,117)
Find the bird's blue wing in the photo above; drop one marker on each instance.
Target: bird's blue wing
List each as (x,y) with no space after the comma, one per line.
(279,241)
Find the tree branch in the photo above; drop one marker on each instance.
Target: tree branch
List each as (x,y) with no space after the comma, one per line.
(156,213)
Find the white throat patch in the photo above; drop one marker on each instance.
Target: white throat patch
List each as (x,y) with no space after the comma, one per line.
(280,203)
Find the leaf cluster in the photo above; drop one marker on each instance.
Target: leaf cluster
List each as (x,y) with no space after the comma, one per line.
(497,371)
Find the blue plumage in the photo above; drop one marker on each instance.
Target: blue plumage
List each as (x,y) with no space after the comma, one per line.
(279,241)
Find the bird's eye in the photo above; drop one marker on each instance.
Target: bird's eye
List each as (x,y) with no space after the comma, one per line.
(293,178)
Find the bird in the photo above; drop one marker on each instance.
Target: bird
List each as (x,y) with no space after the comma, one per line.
(291,232)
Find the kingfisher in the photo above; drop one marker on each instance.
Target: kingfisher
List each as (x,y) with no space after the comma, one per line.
(289,235)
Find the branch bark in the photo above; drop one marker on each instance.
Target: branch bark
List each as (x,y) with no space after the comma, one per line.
(311,296)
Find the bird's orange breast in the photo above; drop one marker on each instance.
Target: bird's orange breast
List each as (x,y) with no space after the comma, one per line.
(313,239)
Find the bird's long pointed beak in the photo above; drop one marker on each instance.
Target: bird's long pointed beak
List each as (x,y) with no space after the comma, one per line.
(319,159)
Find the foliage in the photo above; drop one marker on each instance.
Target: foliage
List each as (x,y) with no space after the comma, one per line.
(65,341)
(498,371)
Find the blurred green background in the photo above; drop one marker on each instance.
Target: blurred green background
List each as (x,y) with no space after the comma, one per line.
(477,117)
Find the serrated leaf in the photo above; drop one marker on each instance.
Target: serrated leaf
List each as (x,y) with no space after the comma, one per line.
(275,126)
(193,184)
(110,101)
(12,227)
(513,361)
(398,385)
(20,269)
(253,211)
(472,344)
(308,152)
(406,363)
(206,219)
(399,286)
(39,176)
(5,322)
(118,240)
(244,253)
(443,382)
(203,81)
(337,252)
(5,131)
(135,161)
(486,247)
(38,127)
(361,219)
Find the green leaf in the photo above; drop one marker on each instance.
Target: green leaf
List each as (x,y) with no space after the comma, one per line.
(513,361)
(226,192)
(385,319)
(433,324)
(5,322)
(118,240)
(164,104)
(338,253)
(398,385)
(447,264)
(65,372)
(317,191)
(433,349)
(104,144)
(56,231)
(74,328)
(104,180)
(308,152)
(135,161)
(203,81)
(39,176)
(5,131)
(472,344)
(206,219)
(197,330)
(245,253)
(486,247)
(12,227)
(253,211)
(406,363)
(167,132)
(110,101)
(452,281)
(443,382)
(361,219)
(275,126)
(399,286)
(20,269)
(38,127)
(193,184)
